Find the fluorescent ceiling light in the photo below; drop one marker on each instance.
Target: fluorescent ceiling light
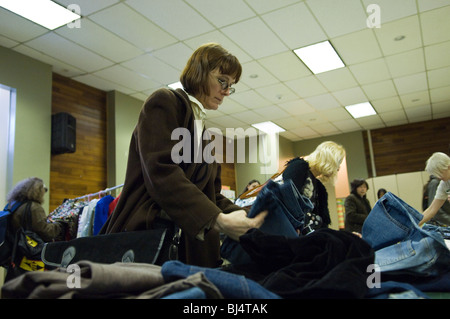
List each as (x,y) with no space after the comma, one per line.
(268,127)
(361,110)
(44,12)
(320,57)
(176,85)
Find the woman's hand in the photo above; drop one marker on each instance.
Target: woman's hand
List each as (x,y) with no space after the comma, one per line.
(236,224)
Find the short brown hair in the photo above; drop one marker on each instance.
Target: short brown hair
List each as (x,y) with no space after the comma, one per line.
(202,62)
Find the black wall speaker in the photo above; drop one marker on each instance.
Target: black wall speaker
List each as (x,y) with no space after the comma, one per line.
(63,133)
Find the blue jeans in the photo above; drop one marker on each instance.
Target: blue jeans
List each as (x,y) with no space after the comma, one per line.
(399,243)
(287,209)
(230,285)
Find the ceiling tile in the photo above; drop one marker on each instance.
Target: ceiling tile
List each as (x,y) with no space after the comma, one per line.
(337,79)
(408,27)
(219,37)
(441,109)
(326,129)
(387,104)
(277,93)
(254,75)
(102,42)
(439,77)
(418,114)
(263,6)
(406,63)
(102,84)
(295,25)
(285,66)
(171,14)
(305,132)
(307,86)
(393,116)
(234,11)
(255,38)
(440,94)
(379,90)
(425,5)
(88,7)
(296,107)
(411,83)
(288,123)
(230,106)
(175,55)
(336,114)
(68,52)
(436,56)
(271,112)
(290,136)
(249,117)
(339,17)
(349,125)
(371,71)
(370,122)
(415,99)
(250,99)
(17,28)
(435,25)
(119,74)
(322,102)
(393,9)
(350,96)
(357,47)
(153,68)
(133,27)
(228,121)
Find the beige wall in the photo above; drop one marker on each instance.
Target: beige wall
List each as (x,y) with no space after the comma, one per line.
(123,112)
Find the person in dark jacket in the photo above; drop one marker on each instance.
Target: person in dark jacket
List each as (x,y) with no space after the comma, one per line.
(357,206)
(161,186)
(33,190)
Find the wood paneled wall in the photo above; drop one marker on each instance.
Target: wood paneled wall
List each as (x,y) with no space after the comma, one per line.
(82,172)
(405,148)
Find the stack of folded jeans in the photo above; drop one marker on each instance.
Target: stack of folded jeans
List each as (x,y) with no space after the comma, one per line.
(400,244)
(286,208)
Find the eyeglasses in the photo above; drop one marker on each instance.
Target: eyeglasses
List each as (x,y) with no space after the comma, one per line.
(226,86)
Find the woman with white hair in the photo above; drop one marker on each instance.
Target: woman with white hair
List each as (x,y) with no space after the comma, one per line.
(438,165)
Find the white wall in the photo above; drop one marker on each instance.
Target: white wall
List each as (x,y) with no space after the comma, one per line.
(407,186)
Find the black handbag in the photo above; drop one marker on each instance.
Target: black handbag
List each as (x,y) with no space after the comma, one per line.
(153,246)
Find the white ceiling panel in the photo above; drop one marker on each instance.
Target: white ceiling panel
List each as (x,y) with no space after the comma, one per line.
(69,52)
(357,47)
(133,27)
(255,38)
(295,25)
(222,15)
(138,46)
(101,41)
(171,14)
(339,17)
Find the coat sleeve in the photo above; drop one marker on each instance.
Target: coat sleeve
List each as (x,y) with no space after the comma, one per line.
(166,181)
(47,231)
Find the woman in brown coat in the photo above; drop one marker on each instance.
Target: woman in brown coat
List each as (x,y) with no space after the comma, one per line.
(33,190)
(159,185)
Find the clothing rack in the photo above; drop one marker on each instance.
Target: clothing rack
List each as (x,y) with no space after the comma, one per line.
(105,191)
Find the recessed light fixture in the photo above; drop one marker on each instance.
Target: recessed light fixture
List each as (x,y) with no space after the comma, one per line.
(361,110)
(175,85)
(268,127)
(44,12)
(320,57)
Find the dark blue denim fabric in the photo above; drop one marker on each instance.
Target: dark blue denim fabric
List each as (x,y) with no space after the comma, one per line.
(287,209)
(399,243)
(191,293)
(395,290)
(230,285)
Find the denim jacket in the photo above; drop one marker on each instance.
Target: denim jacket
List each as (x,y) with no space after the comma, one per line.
(399,243)
(287,209)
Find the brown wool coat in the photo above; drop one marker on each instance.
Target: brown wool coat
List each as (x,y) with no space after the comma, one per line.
(188,192)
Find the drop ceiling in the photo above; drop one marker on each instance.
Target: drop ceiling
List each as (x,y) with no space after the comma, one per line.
(138,46)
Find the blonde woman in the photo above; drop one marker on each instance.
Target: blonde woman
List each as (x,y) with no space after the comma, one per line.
(438,165)
(33,190)
(309,173)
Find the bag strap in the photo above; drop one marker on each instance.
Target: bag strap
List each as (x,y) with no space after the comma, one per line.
(255,191)
(27,218)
